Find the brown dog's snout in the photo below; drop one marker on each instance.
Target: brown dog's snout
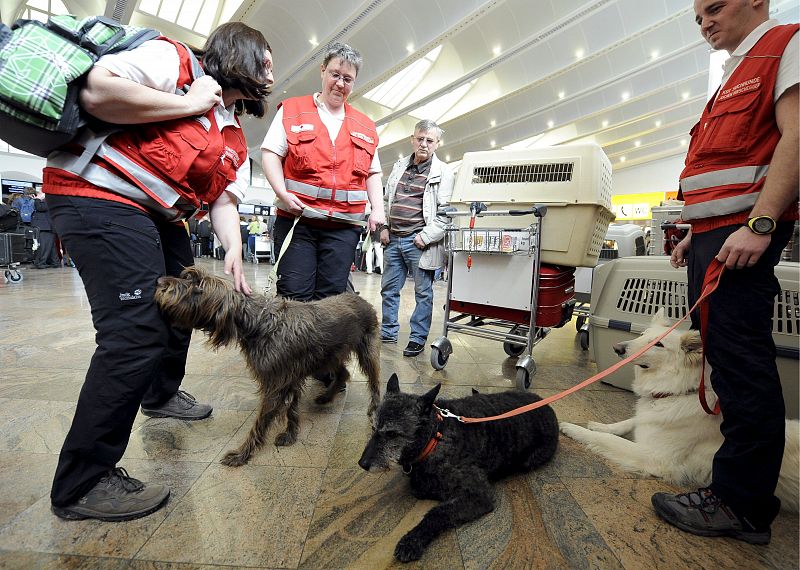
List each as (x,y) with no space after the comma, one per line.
(620,348)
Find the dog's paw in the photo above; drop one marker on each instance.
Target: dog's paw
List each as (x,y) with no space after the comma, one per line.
(571,430)
(234,459)
(408,549)
(285,439)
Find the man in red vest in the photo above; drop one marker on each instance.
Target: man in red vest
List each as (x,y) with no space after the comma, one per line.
(740,188)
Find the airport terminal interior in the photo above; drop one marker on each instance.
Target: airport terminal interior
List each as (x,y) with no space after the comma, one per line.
(575,114)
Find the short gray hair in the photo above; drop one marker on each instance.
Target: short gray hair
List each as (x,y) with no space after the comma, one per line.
(343,52)
(428,125)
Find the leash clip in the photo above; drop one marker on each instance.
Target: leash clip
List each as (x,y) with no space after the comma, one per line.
(445,413)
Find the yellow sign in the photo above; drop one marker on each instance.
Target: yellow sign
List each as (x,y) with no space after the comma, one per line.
(635,206)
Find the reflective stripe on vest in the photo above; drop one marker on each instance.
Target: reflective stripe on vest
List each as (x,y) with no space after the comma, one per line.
(325,193)
(738,175)
(160,196)
(719,207)
(718,178)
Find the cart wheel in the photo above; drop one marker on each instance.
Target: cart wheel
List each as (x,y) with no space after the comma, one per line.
(438,358)
(13,276)
(579,322)
(523,379)
(513,349)
(584,339)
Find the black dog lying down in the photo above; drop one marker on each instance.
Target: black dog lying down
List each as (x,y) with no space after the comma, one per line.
(464,460)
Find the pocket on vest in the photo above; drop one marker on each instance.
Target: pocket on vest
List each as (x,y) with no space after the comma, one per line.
(728,128)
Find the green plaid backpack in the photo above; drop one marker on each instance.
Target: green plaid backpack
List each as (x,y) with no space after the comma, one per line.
(42,69)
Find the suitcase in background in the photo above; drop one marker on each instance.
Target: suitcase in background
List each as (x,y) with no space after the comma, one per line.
(5,249)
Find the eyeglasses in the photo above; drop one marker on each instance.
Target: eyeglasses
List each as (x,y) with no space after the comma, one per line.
(346,79)
(421,140)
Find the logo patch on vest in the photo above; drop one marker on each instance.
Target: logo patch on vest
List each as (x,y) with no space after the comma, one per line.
(753,84)
(230,154)
(363,137)
(301,128)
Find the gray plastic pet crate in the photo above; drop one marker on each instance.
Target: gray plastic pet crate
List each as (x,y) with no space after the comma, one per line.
(627,292)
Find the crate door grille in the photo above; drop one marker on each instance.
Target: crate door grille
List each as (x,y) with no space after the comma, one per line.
(645,296)
(523,173)
(786,318)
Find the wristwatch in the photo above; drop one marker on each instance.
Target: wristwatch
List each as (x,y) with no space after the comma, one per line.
(761,225)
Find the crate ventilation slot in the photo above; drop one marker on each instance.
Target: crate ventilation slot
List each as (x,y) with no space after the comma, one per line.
(523,173)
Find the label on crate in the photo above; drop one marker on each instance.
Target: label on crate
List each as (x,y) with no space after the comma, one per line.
(493,240)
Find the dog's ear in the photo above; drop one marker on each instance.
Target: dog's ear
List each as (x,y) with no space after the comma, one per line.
(692,346)
(393,386)
(660,318)
(475,392)
(429,398)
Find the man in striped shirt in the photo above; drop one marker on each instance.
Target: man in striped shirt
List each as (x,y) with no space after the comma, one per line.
(417,187)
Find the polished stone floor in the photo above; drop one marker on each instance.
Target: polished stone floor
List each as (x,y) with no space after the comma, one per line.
(310,505)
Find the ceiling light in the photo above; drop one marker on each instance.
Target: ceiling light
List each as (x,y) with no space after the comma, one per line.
(497,50)
(683,142)
(400,155)
(492,144)
(492,123)
(637,144)
(313,41)
(605,124)
(658,124)
(410,48)
(626,95)
(579,53)
(447,157)
(622,159)
(654,54)
(685,95)
(550,124)
(561,94)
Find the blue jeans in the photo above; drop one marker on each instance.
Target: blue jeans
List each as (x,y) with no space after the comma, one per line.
(400,257)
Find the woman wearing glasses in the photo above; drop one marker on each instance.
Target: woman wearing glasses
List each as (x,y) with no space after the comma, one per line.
(320,157)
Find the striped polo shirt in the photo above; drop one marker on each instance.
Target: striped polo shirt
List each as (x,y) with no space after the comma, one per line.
(405,217)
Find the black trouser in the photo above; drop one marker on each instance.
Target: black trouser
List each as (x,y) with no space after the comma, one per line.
(120,252)
(741,351)
(46,252)
(317,262)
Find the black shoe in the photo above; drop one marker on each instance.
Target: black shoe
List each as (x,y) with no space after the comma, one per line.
(413,348)
(388,339)
(181,406)
(116,497)
(704,514)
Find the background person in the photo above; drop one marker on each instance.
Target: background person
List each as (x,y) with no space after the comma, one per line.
(740,187)
(417,187)
(122,240)
(46,254)
(320,157)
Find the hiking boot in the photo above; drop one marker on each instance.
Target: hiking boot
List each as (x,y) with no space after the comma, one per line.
(181,406)
(116,497)
(704,514)
(413,348)
(388,339)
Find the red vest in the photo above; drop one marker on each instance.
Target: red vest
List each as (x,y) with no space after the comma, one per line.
(732,145)
(331,179)
(168,167)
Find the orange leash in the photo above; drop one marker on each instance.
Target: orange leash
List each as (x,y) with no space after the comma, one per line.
(710,283)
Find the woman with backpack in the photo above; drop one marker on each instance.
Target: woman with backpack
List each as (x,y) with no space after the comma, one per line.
(121,218)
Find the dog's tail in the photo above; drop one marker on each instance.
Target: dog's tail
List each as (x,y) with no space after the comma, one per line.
(368,353)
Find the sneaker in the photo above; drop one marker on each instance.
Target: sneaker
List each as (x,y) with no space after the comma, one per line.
(182,406)
(413,348)
(704,514)
(388,339)
(116,497)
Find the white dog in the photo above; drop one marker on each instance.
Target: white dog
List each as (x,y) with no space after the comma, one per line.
(673,438)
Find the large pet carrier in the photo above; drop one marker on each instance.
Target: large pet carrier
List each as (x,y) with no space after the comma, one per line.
(523,221)
(626,293)
(573,181)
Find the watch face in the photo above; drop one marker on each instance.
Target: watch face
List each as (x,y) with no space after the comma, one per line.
(763,225)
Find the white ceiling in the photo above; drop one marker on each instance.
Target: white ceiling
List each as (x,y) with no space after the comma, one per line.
(649,49)
(631,75)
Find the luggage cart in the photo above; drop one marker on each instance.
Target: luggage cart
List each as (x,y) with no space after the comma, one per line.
(498,253)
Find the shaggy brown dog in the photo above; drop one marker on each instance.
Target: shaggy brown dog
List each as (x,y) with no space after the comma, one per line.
(283,342)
